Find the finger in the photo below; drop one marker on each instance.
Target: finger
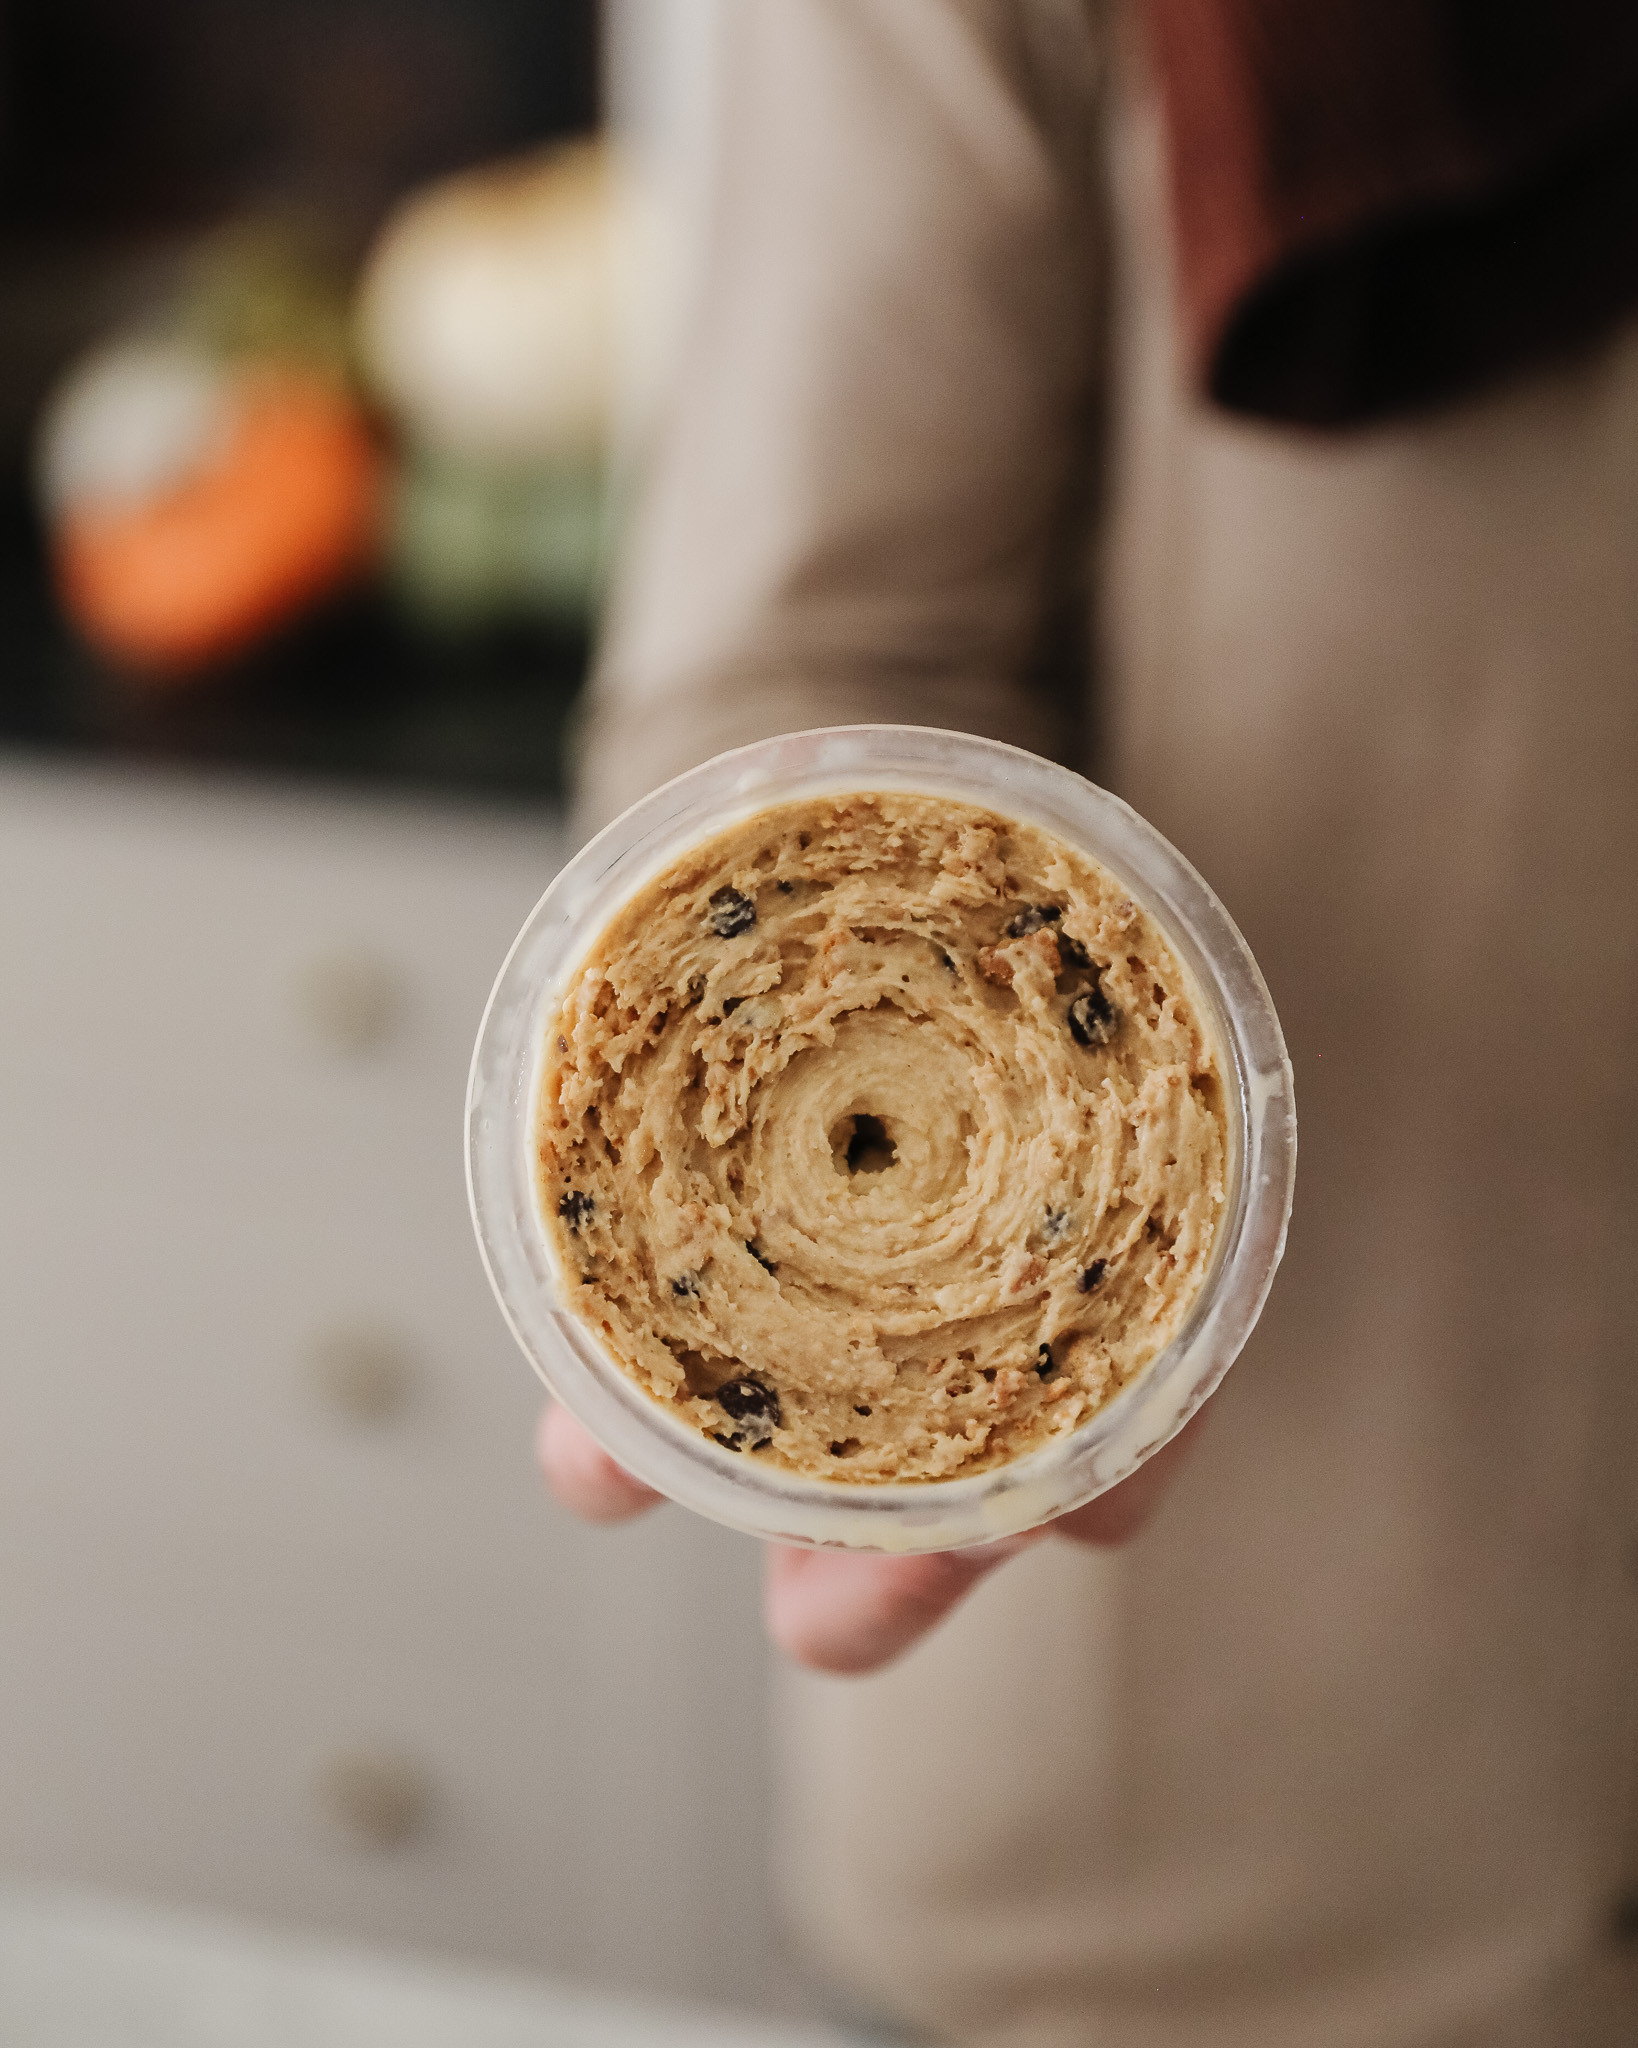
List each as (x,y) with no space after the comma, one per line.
(1116,1517)
(848,1613)
(842,1611)
(582,1474)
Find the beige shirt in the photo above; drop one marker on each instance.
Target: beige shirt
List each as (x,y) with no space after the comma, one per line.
(1335,1753)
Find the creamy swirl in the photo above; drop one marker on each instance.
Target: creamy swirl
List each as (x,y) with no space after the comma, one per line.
(882,1137)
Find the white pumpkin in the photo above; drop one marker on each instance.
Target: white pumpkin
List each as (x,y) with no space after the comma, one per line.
(129,422)
(488,315)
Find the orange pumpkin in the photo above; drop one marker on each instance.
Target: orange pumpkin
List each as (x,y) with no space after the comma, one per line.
(286,511)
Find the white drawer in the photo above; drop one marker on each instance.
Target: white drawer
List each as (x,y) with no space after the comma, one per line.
(218,1585)
(173,1284)
(199,941)
(588,1732)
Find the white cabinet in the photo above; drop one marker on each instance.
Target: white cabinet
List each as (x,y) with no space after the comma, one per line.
(286,1621)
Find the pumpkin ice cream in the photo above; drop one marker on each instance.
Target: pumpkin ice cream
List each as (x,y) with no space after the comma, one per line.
(881,1137)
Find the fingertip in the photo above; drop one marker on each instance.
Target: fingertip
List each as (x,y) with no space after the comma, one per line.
(800,1615)
(582,1475)
(847,1615)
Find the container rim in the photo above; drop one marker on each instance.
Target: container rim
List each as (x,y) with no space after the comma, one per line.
(921,1515)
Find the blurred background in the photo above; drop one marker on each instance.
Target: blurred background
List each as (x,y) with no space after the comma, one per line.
(232,249)
(311,387)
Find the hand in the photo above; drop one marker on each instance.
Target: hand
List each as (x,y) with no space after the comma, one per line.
(853,1611)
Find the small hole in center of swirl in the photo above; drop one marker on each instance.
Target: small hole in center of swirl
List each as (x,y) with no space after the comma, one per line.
(862,1144)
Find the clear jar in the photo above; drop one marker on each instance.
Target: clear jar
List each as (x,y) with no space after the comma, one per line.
(925,1514)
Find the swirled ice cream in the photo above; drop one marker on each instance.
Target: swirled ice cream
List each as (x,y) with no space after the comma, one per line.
(882,1137)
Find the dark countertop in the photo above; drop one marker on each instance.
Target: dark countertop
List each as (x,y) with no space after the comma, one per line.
(354,695)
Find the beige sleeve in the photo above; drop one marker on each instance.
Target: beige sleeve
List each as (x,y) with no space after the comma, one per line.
(876,426)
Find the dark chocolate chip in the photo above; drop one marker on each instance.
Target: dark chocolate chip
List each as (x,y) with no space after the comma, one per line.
(575,1208)
(750,1401)
(860,1411)
(728,1443)
(1032,917)
(1044,1363)
(1071,952)
(762,1259)
(730,913)
(1093,1019)
(1093,1274)
(686,1286)
(785,888)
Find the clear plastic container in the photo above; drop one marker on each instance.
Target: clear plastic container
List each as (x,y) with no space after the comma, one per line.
(748,1494)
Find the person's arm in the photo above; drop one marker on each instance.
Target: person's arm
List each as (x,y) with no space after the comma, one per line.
(876,421)
(857,501)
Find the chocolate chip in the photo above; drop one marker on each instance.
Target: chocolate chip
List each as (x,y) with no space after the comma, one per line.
(949,963)
(574,1209)
(1093,1019)
(1032,917)
(1044,1364)
(1071,952)
(860,1411)
(686,1286)
(728,1443)
(762,1259)
(750,1402)
(729,913)
(785,888)
(1093,1274)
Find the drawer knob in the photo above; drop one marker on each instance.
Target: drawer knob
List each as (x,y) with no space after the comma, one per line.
(350,1002)
(378,1798)
(363,1374)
